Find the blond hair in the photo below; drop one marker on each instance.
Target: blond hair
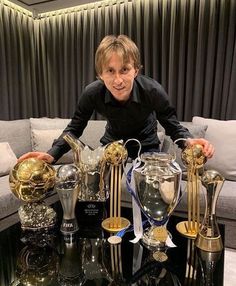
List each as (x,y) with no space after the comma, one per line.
(122,45)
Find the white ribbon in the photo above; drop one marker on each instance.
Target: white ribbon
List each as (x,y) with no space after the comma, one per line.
(137,217)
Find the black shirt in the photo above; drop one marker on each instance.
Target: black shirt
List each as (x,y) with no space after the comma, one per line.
(136,118)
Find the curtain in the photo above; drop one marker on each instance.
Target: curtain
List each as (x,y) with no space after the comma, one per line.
(188,46)
(18,88)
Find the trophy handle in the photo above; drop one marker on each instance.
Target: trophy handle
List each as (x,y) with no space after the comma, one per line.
(138,154)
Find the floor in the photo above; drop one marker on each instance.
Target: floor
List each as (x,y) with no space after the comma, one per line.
(230,267)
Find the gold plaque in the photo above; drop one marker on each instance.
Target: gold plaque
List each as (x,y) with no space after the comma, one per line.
(160,233)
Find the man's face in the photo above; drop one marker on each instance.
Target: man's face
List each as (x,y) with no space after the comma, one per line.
(119,77)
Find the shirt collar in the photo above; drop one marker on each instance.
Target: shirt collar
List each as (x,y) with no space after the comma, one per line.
(135,95)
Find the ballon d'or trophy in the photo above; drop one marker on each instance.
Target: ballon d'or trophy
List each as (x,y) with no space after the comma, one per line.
(115,155)
(30,181)
(209,238)
(194,159)
(67,181)
(157,184)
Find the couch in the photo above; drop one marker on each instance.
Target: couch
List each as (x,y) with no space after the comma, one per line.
(37,134)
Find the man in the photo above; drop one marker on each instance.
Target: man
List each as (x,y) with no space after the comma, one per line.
(130,102)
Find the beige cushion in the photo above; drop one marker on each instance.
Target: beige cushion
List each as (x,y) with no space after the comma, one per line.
(42,141)
(222,134)
(7,158)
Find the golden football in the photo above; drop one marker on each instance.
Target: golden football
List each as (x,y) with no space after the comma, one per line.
(31,179)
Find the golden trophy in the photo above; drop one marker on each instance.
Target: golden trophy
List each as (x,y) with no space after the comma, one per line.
(115,155)
(194,160)
(209,238)
(30,181)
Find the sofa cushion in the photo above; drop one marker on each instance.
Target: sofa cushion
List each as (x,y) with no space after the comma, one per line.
(8,201)
(93,133)
(222,134)
(45,130)
(7,158)
(197,130)
(42,141)
(17,134)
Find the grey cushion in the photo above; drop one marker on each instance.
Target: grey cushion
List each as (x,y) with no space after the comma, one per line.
(7,158)
(93,133)
(17,134)
(222,134)
(8,202)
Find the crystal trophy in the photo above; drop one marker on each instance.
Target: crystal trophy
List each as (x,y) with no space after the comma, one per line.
(93,190)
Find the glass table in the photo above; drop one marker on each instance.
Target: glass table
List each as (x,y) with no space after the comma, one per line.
(87,258)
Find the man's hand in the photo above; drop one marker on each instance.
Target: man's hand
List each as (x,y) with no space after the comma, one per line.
(39,155)
(208,148)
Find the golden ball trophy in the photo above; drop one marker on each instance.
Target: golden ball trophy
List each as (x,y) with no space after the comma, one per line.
(194,160)
(30,181)
(115,155)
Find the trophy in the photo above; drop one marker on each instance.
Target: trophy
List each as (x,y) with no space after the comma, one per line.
(209,238)
(115,155)
(157,187)
(67,181)
(92,188)
(194,159)
(30,181)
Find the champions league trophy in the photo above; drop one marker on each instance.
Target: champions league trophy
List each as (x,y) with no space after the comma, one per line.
(157,186)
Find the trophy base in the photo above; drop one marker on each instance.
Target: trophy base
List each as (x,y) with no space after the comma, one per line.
(182,228)
(37,215)
(69,226)
(155,237)
(90,212)
(115,224)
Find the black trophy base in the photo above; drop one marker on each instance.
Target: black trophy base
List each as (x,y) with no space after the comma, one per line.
(90,213)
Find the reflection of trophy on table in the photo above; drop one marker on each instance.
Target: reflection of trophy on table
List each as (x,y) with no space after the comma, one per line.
(36,266)
(70,268)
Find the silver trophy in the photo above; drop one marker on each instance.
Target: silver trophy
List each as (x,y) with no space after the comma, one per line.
(67,186)
(157,184)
